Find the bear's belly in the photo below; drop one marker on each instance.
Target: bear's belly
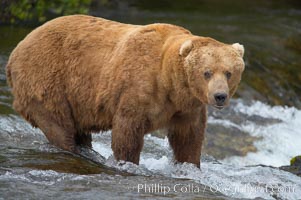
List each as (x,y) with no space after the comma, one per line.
(161,117)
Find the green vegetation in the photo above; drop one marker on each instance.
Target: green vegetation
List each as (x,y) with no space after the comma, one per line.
(296,161)
(37,11)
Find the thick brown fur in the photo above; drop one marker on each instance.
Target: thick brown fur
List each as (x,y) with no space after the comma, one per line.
(80,74)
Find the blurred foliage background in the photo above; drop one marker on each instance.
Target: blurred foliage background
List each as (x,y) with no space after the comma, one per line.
(37,11)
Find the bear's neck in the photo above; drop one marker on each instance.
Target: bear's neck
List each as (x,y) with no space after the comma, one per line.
(174,78)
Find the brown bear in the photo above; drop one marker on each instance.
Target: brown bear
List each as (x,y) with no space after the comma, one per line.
(80,74)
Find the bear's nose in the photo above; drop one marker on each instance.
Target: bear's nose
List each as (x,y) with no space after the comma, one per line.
(220,98)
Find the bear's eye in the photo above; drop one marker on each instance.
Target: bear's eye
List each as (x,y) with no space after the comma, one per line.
(207,74)
(228,75)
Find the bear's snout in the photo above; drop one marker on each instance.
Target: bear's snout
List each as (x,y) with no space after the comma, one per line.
(220,98)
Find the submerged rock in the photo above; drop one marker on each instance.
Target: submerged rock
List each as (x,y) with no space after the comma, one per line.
(58,161)
(222,142)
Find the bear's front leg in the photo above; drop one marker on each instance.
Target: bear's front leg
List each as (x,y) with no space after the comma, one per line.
(127,137)
(185,135)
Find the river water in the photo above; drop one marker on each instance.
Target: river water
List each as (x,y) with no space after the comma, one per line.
(245,143)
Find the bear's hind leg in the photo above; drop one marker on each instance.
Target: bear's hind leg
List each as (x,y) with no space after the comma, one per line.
(58,127)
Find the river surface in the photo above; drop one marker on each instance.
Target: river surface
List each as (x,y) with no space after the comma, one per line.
(245,143)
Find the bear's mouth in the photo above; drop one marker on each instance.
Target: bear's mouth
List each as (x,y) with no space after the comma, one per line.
(218,107)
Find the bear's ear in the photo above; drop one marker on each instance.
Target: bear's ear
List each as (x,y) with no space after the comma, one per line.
(185,48)
(240,48)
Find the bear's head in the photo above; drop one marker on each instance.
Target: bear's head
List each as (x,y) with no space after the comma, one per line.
(213,69)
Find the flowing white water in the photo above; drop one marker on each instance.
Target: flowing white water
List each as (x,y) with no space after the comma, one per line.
(280,142)
(229,179)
